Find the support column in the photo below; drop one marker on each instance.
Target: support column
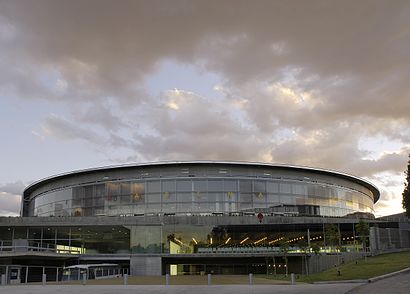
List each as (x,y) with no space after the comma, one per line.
(146,266)
(26,278)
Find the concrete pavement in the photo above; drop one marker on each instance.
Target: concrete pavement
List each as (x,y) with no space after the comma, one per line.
(177,289)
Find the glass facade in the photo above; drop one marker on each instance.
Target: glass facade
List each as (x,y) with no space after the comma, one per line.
(172,237)
(204,190)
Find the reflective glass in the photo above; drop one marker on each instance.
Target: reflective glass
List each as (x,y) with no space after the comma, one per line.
(215,185)
(230,185)
(285,188)
(153,187)
(184,186)
(245,186)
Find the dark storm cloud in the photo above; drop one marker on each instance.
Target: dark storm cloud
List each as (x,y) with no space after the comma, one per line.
(303,82)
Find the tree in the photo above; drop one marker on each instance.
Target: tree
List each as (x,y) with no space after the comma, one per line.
(332,235)
(362,230)
(284,247)
(406,192)
(304,247)
(315,248)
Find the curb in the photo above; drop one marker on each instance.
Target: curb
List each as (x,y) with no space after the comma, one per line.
(341,282)
(371,280)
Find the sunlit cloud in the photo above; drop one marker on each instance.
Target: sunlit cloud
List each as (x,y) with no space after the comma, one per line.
(121,86)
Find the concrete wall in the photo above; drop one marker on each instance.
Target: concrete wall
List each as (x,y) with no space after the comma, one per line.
(319,263)
(145,266)
(388,238)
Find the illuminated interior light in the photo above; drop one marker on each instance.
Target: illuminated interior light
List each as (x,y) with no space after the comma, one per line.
(178,241)
(196,243)
(210,241)
(244,240)
(260,240)
(227,241)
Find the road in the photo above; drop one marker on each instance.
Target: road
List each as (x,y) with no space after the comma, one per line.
(397,284)
(177,289)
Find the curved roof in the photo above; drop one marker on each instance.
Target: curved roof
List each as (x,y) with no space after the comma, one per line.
(365,183)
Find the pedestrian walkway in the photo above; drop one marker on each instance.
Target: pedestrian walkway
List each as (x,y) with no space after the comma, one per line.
(180,289)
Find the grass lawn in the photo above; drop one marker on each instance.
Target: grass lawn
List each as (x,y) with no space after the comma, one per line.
(375,266)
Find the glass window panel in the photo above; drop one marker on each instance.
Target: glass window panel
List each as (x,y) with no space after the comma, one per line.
(215,185)
(286,199)
(98,201)
(285,188)
(169,207)
(184,186)
(199,196)
(230,185)
(245,186)
(259,186)
(20,233)
(169,196)
(6,233)
(62,208)
(231,196)
(200,185)
(245,197)
(215,197)
(123,199)
(273,198)
(89,191)
(212,206)
(137,192)
(99,190)
(299,189)
(154,187)
(154,197)
(62,195)
(49,233)
(89,201)
(63,233)
(78,196)
(34,233)
(259,197)
(219,207)
(168,186)
(113,190)
(184,197)
(125,188)
(230,207)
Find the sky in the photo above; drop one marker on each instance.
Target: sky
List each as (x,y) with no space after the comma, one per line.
(314,83)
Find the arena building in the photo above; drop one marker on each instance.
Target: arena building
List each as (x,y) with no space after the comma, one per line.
(189,218)
(202,188)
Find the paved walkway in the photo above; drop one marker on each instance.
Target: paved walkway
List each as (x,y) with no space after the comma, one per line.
(151,289)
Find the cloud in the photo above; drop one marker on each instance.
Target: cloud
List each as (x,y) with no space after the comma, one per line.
(15,188)
(10,195)
(301,82)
